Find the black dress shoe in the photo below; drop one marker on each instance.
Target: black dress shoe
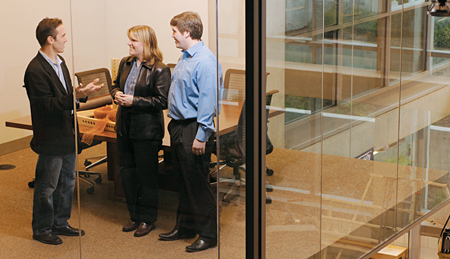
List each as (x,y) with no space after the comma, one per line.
(201,244)
(67,231)
(144,229)
(133,225)
(48,238)
(177,234)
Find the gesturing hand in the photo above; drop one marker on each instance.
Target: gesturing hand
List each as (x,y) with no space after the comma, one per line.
(82,92)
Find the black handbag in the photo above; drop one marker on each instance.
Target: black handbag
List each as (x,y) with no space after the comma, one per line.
(444,239)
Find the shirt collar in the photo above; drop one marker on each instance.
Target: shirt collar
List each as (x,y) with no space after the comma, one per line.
(58,60)
(131,60)
(192,50)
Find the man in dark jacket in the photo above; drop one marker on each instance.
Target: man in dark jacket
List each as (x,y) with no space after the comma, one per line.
(51,95)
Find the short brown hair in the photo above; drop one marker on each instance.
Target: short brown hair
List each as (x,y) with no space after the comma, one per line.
(47,27)
(147,36)
(189,21)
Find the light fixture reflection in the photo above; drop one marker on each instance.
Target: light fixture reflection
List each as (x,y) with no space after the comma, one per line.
(440,8)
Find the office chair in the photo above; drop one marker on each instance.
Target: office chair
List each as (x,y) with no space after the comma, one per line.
(171,66)
(100,98)
(234,90)
(232,154)
(234,85)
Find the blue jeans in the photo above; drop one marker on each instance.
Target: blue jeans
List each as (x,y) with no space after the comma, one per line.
(53,192)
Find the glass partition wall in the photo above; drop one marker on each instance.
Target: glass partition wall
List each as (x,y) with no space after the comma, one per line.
(101,41)
(357,159)
(17,160)
(356,96)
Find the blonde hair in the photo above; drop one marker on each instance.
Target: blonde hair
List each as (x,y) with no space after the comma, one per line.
(147,36)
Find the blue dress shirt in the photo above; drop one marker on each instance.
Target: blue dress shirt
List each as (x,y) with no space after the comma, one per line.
(193,91)
(132,78)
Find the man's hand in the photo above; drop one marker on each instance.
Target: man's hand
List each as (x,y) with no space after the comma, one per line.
(123,99)
(198,147)
(82,92)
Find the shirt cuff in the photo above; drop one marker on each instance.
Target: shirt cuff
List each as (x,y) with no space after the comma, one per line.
(202,135)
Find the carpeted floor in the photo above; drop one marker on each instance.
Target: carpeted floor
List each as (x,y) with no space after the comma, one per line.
(293,219)
(102,216)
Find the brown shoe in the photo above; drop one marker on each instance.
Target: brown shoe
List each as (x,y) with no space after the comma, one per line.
(130,226)
(144,229)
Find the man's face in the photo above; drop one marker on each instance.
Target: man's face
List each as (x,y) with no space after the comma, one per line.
(180,38)
(60,41)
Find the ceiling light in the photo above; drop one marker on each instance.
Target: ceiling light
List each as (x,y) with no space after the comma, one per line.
(439,8)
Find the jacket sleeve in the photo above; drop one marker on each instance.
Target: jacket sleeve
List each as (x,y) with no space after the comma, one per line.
(41,95)
(116,87)
(158,101)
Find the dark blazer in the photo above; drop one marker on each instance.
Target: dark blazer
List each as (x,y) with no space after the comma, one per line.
(150,99)
(51,106)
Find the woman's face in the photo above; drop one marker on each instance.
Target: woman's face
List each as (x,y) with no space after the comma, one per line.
(136,48)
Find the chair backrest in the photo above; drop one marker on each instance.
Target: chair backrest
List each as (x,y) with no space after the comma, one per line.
(115,63)
(102,96)
(240,130)
(171,66)
(234,85)
(240,134)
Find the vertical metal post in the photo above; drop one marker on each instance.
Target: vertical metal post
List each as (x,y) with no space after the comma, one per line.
(255,57)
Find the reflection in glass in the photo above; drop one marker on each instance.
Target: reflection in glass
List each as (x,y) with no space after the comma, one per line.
(413,41)
(362,159)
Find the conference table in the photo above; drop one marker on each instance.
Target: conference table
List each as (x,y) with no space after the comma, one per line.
(228,120)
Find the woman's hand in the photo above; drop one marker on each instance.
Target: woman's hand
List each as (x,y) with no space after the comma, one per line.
(123,99)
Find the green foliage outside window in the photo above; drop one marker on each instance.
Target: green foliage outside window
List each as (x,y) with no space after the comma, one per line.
(402,160)
(356,109)
(442,34)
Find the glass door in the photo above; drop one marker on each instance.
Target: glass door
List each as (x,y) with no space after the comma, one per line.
(103,39)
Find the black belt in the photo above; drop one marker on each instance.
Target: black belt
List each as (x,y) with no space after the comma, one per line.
(184,122)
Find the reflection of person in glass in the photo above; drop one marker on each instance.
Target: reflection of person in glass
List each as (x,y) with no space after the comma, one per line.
(49,88)
(141,89)
(192,107)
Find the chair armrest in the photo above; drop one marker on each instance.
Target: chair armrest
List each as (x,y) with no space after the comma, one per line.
(95,103)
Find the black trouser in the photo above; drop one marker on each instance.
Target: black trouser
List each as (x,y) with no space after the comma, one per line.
(139,175)
(197,206)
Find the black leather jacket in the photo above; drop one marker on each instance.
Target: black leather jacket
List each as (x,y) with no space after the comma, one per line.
(150,98)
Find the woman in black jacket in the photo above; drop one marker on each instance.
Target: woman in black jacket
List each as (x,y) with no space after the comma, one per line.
(141,90)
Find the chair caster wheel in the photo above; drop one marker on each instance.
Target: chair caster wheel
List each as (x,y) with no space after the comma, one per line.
(268,200)
(31,184)
(90,190)
(269,172)
(98,180)
(87,163)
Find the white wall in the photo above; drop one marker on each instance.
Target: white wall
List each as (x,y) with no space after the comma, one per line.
(100,28)
(99,34)
(18,21)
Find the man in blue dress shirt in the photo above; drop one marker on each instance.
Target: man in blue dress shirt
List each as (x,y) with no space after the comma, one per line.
(192,107)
